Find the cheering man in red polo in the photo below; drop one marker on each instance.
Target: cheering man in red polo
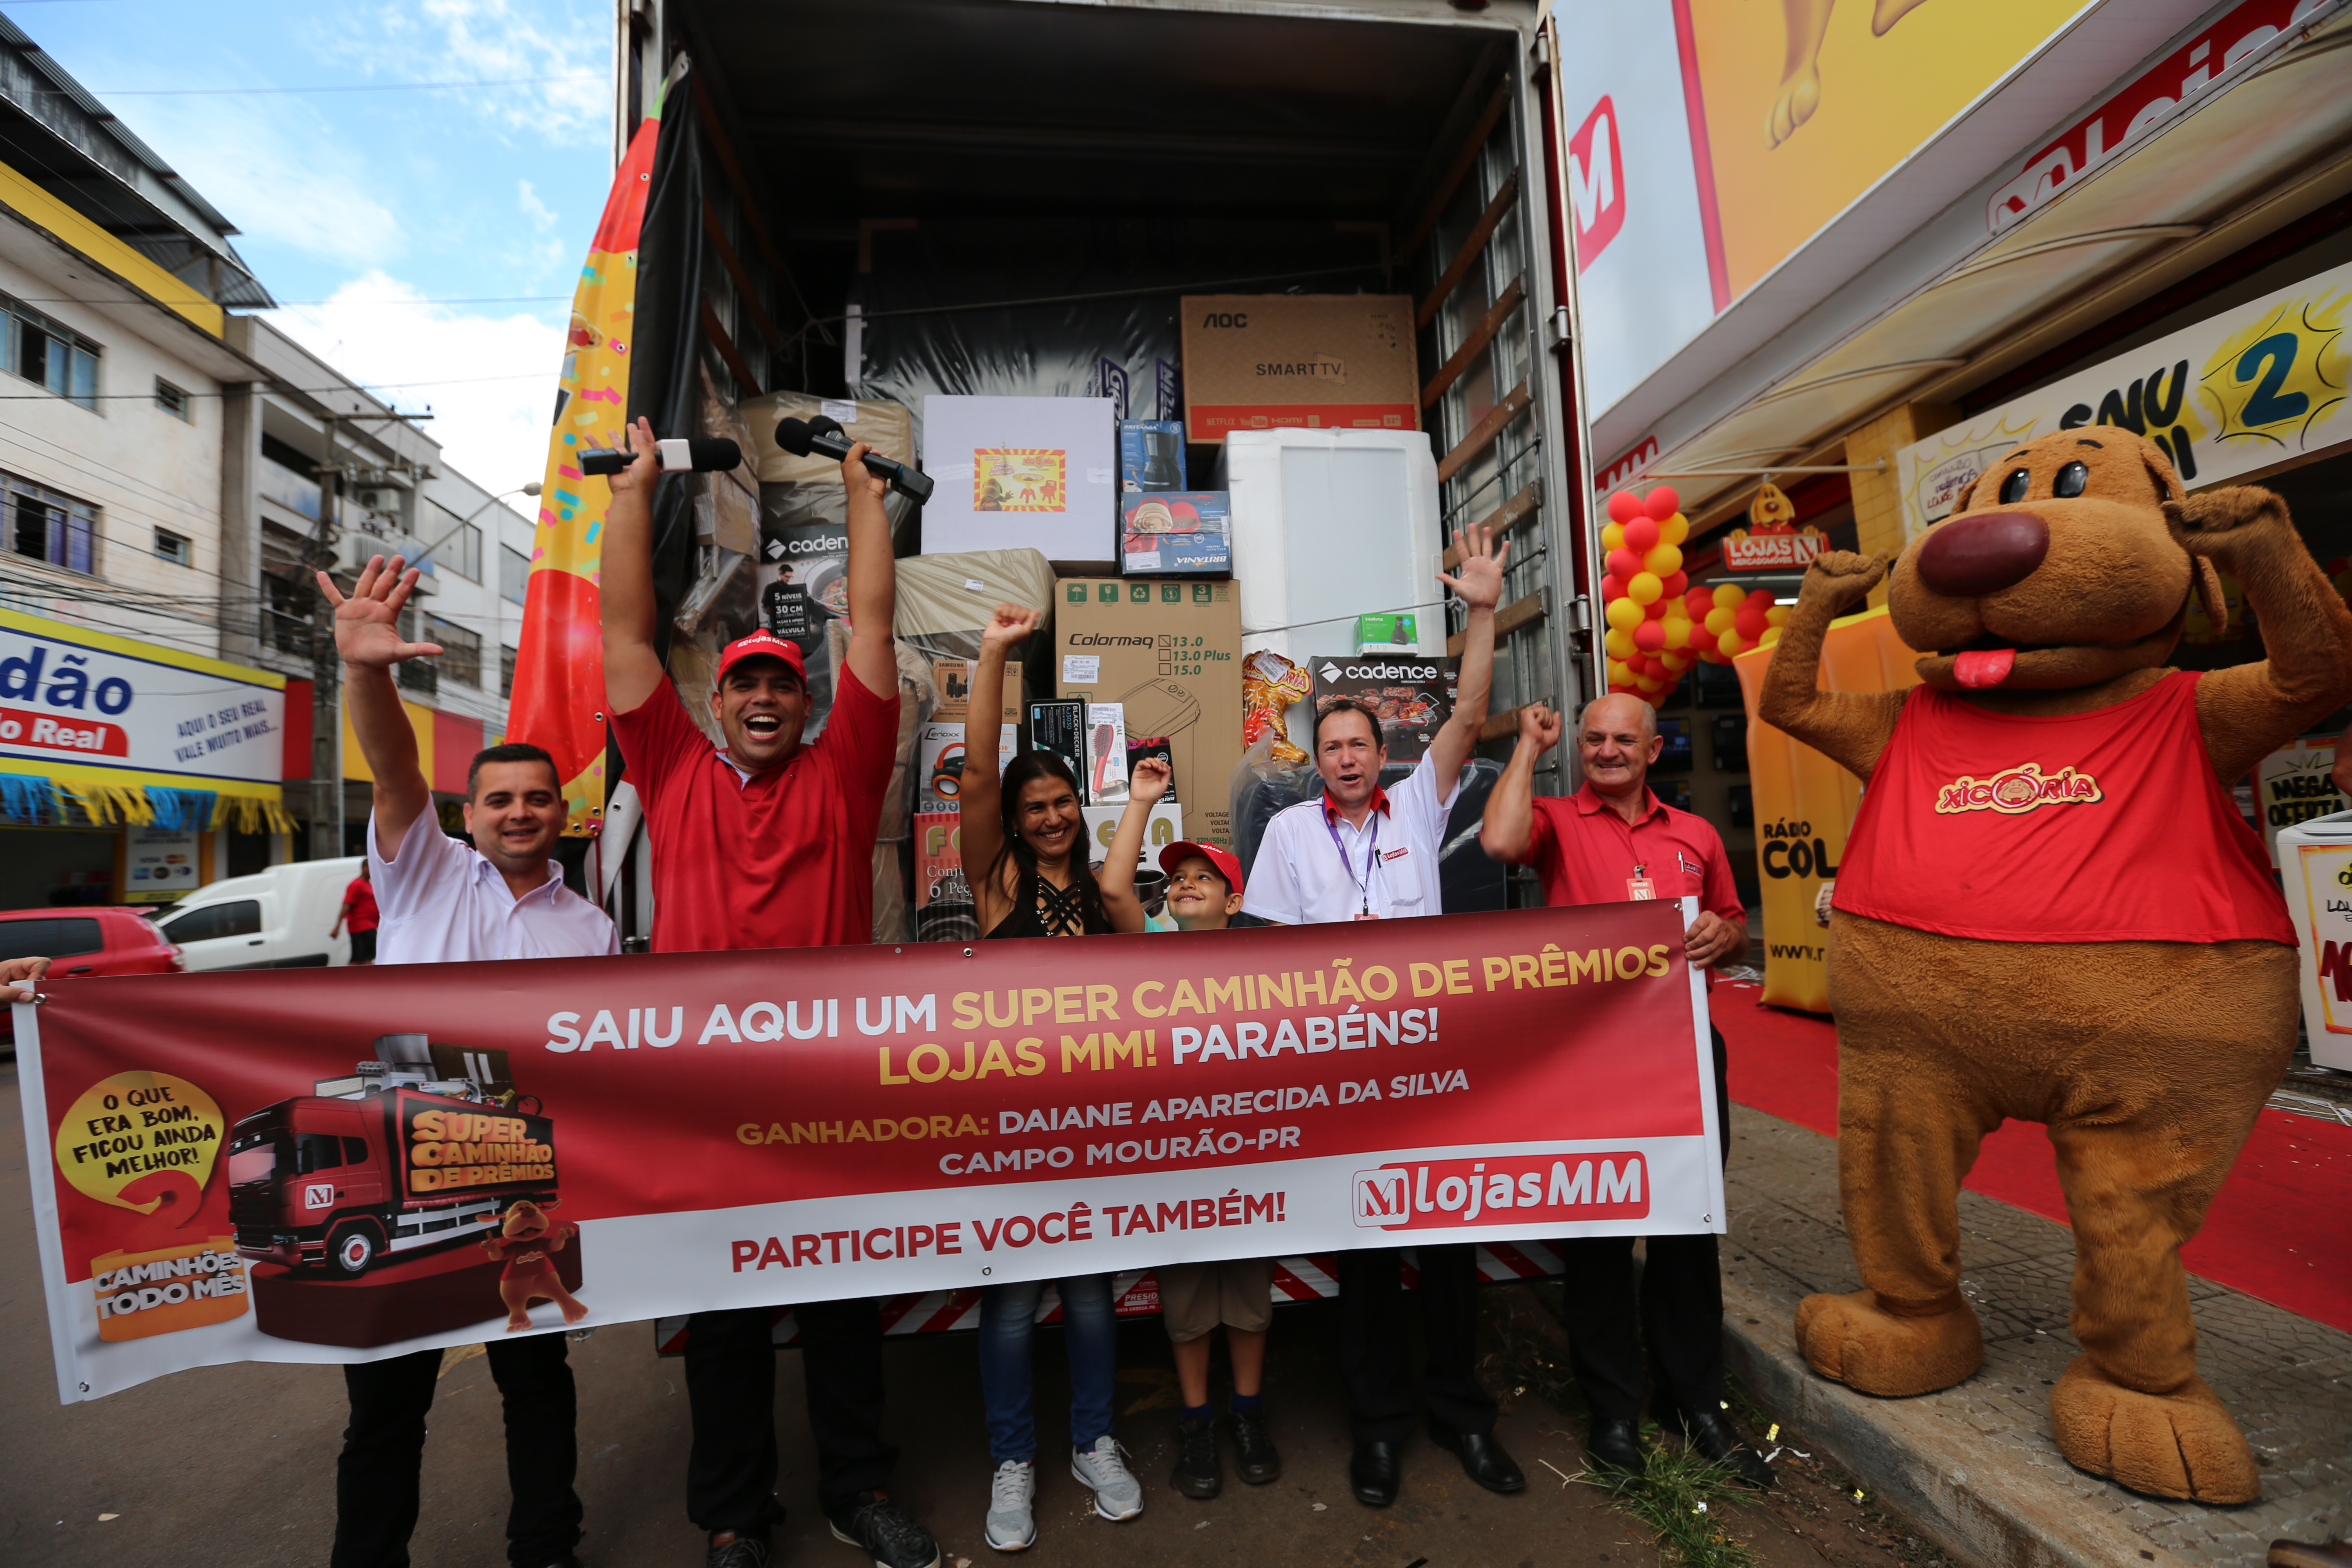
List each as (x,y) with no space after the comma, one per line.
(767,843)
(1609,842)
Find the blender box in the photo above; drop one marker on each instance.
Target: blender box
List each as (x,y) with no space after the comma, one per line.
(1150,455)
(1169,651)
(1415,696)
(1177,533)
(1397,632)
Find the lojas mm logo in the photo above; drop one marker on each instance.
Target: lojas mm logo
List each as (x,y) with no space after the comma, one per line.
(1596,183)
(1522,1189)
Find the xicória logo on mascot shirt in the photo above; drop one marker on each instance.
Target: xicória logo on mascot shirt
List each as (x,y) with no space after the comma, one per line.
(2016,790)
(1521,1189)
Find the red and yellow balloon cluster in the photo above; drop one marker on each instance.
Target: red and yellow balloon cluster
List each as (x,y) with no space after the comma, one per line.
(1659,626)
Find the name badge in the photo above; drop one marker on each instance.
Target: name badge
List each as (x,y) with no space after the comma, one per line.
(1641,887)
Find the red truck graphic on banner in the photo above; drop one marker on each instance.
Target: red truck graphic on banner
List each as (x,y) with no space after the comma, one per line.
(424,1147)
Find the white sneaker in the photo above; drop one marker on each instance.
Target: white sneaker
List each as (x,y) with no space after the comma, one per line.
(1010,1524)
(1118,1494)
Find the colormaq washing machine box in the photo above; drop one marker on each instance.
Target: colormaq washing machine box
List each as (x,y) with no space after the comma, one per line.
(1169,651)
(1040,473)
(1328,361)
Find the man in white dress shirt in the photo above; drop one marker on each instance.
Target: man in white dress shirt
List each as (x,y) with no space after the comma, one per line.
(1360,852)
(447,901)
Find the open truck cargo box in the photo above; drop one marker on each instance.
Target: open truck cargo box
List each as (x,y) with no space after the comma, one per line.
(1022,200)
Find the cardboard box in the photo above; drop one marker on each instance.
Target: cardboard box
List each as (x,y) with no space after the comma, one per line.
(1415,696)
(1150,455)
(1060,727)
(1154,746)
(1106,776)
(1165,826)
(939,761)
(953,678)
(1176,533)
(1014,472)
(1255,362)
(804,583)
(1171,652)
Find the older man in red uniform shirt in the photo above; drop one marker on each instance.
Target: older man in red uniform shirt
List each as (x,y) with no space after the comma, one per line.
(1611,841)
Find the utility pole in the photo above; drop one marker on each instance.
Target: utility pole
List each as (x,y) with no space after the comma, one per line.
(326,668)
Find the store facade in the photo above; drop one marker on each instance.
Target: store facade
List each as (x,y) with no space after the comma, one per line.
(127,769)
(2131,216)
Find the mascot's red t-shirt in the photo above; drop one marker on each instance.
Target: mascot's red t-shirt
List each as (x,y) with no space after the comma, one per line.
(2102,827)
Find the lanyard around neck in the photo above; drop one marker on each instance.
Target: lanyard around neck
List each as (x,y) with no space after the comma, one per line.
(1364,884)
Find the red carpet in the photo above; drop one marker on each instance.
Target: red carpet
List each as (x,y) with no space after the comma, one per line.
(2281,1228)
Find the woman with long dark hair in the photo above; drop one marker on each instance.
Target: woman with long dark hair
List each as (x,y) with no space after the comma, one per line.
(1024,852)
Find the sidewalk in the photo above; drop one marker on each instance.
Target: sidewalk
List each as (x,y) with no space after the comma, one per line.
(1975,1467)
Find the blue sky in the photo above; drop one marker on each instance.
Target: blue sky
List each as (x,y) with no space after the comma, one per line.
(358,207)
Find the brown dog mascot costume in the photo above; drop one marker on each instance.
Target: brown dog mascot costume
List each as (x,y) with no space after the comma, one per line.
(2050,909)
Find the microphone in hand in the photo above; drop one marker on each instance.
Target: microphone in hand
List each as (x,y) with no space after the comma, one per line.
(803,438)
(696,454)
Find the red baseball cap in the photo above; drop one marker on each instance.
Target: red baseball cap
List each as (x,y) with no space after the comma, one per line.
(1228,865)
(760,644)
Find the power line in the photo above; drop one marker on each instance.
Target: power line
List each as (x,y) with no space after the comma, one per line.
(354,87)
(266,386)
(314,304)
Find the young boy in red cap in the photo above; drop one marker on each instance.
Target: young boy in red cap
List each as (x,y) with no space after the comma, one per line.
(1204,892)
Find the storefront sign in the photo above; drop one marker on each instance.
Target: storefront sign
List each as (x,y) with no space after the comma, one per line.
(72,696)
(2250,389)
(2189,71)
(213,1181)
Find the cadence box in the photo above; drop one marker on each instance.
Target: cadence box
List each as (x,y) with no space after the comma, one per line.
(1328,361)
(1413,697)
(1169,651)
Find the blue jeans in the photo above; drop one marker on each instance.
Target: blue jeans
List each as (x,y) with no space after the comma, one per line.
(1008,1321)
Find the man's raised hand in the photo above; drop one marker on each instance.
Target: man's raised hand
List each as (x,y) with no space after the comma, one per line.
(1010,625)
(1540,727)
(855,474)
(645,460)
(367,624)
(1478,579)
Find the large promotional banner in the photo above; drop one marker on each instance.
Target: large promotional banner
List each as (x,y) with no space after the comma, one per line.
(339,1165)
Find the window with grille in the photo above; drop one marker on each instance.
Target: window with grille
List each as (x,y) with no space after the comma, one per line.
(171,399)
(173,547)
(505,671)
(50,353)
(418,674)
(45,525)
(461,650)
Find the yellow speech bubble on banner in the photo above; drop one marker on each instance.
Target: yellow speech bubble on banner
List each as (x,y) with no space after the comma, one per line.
(133,1125)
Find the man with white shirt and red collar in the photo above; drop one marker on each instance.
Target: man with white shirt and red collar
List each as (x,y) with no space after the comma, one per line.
(444,901)
(1360,852)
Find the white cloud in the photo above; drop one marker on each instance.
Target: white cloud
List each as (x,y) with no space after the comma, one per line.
(494,40)
(276,171)
(494,431)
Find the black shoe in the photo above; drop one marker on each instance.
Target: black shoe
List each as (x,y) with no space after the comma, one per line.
(735,1549)
(1254,1459)
(1196,1474)
(1483,1458)
(896,1538)
(1614,1451)
(1712,1438)
(1372,1473)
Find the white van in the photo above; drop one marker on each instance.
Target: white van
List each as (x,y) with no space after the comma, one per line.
(276,919)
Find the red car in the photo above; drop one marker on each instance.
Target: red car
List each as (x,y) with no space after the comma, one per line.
(84,940)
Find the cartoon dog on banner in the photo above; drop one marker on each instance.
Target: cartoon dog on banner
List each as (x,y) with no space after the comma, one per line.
(2050,910)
